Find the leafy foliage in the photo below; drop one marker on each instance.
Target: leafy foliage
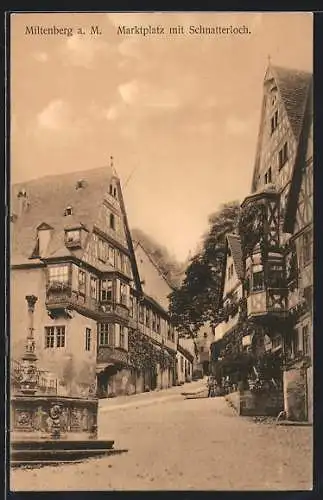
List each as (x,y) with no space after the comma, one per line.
(198,298)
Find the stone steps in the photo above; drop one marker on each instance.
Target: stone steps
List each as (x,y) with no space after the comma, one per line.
(55,452)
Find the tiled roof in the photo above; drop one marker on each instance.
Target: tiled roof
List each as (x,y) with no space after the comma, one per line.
(235,247)
(185,352)
(188,345)
(48,197)
(293,86)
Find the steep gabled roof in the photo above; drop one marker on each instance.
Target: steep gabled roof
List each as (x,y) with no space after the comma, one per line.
(48,197)
(236,252)
(293,86)
(298,170)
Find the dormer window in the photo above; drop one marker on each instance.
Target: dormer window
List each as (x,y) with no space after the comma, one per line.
(73,236)
(68,211)
(110,189)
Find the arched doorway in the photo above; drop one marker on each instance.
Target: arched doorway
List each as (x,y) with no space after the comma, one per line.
(105,381)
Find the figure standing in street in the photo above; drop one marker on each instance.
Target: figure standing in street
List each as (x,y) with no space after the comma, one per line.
(211,386)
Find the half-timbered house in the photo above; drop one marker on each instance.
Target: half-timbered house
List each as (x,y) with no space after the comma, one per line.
(275,235)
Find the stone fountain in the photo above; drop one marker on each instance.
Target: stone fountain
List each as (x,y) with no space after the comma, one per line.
(46,427)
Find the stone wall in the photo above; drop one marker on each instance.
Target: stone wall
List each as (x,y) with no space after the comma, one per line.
(295,394)
(247,403)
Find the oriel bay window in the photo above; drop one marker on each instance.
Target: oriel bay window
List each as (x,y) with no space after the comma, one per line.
(276,276)
(106,290)
(82,281)
(123,293)
(94,287)
(258,281)
(58,275)
(106,334)
(73,237)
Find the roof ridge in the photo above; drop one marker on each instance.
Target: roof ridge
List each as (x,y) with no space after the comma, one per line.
(66,174)
(290,69)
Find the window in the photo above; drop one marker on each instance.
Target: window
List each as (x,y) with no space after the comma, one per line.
(154,321)
(49,336)
(111,255)
(60,336)
(141,313)
(73,236)
(94,287)
(88,339)
(182,364)
(58,273)
(295,342)
(112,222)
(115,192)
(123,294)
(81,281)
(123,333)
(110,188)
(147,317)
(106,290)
(54,336)
(268,176)
(118,259)
(132,306)
(258,281)
(157,323)
(68,211)
(307,250)
(102,253)
(306,340)
(106,334)
(168,330)
(276,276)
(283,155)
(274,121)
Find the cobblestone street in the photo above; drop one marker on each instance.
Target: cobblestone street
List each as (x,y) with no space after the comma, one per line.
(183,444)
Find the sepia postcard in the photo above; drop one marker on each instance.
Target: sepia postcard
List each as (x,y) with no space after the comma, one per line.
(161,251)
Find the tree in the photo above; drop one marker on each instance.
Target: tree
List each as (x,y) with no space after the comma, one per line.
(198,298)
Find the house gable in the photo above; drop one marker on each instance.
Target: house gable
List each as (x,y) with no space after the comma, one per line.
(282,119)
(153,283)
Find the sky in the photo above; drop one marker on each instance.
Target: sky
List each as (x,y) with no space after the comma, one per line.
(179,113)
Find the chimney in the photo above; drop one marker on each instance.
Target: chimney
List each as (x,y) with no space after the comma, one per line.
(23,202)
